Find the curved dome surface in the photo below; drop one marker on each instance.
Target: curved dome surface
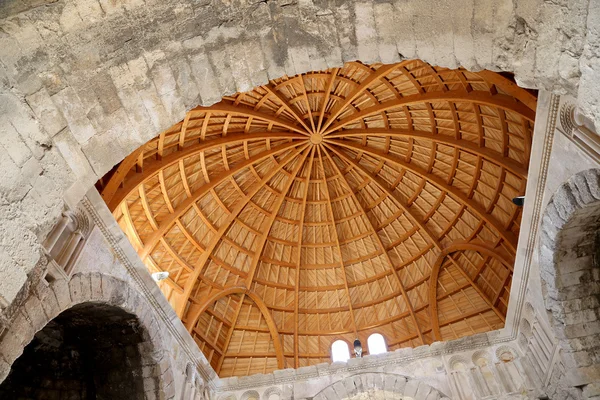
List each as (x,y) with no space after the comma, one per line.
(332,205)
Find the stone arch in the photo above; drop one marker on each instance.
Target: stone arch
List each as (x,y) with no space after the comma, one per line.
(505,354)
(250,395)
(272,393)
(459,363)
(569,272)
(392,385)
(47,302)
(478,355)
(163,74)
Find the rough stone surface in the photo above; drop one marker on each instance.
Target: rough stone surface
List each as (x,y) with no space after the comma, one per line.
(84,83)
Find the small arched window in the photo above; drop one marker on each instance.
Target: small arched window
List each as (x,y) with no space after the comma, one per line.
(376,344)
(340,351)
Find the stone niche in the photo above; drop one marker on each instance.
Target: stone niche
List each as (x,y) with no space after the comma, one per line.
(91,351)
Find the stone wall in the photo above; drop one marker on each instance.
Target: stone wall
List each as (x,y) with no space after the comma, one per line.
(108,271)
(84,83)
(442,370)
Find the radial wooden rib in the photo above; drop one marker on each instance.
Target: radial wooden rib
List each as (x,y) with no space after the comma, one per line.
(503,102)
(507,235)
(380,72)
(189,202)
(298,260)
(271,220)
(462,144)
(269,88)
(114,198)
(225,227)
(337,242)
(399,202)
(383,250)
(230,332)
(226,108)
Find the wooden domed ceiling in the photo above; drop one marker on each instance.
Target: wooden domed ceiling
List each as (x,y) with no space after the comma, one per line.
(330,205)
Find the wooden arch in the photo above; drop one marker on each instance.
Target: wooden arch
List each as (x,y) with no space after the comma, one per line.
(261,306)
(484,248)
(330,195)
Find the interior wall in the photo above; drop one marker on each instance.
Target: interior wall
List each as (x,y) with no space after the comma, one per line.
(80,89)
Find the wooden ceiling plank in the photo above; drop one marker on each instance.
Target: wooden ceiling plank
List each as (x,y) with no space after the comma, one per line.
(336,237)
(498,100)
(230,333)
(507,235)
(379,182)
(382,247)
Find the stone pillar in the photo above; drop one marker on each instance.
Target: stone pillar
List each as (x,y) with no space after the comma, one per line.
(69,250)
(56,232)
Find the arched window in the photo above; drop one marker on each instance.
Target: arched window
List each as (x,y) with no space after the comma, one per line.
(340,351)
(376,344)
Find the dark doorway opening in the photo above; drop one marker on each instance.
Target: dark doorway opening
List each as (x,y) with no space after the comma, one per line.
(90,352)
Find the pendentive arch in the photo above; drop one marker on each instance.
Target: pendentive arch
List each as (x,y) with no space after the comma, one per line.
(487,249)
(242,291)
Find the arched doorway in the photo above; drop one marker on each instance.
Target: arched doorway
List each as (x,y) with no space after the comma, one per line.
(569,241)
(90,351)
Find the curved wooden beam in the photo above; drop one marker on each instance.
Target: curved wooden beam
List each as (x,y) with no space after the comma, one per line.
(509,87)
(225,107)
(190,201)
(262,241)
(379,182)
(483,248)
(462,144)
(383,249)
(112,186)
(494,100)
(382,71)
(298,261)
(223,229)
(113,195)
(508,236)
(236,315)
(337,241)
(261,306)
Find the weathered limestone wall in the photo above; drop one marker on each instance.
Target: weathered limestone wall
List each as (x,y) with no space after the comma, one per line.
(83,83)
(439,371)
(108,271)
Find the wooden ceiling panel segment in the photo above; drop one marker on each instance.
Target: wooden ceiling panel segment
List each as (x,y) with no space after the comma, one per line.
(332,205)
